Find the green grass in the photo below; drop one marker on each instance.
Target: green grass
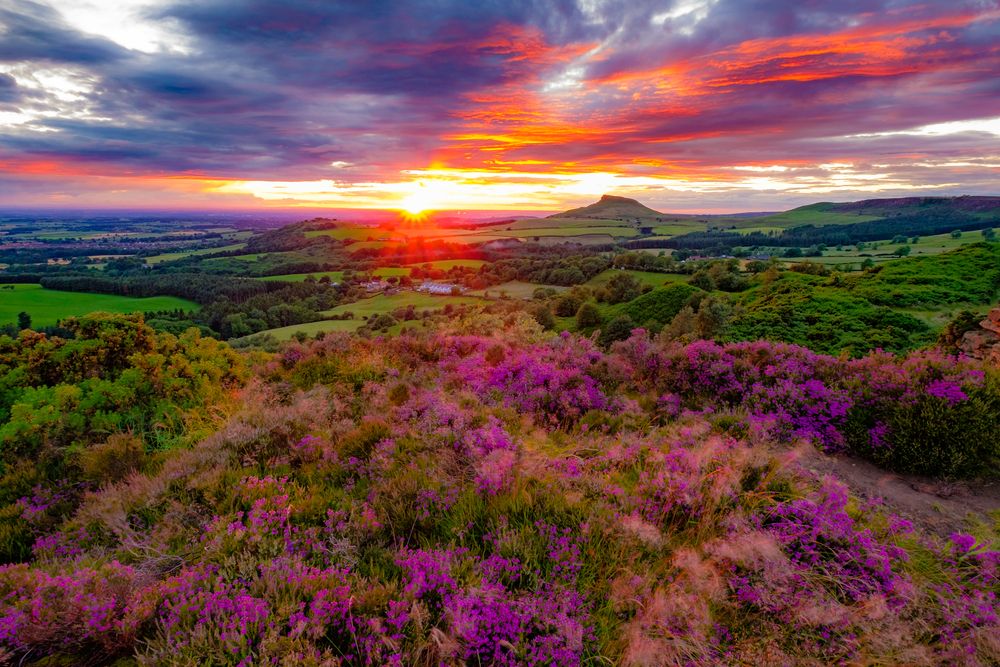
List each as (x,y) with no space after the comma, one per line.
(515,289)
(173,256)
(252,257)
(679,227)
(47,307)
(366,245)
(651,278)
(447,264)
(575,230)
(390,271)
(850,259)
(554,223)
(375,305)
(814,214)
(313,328)
(354,233)
(967,275)
(383,303)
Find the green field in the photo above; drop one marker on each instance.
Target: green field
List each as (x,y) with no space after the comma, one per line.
(850,259)
(252,257)
(313,328)
(447,264)
(390,271)
(555,223)
(514,289)
(814,214)
(172,256)
(353,233)
(387,303)
(47,307)
(574,230)
(375,305)
(651,278)
(679,227)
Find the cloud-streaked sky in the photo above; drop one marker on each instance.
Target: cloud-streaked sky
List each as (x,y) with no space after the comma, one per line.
(715,105)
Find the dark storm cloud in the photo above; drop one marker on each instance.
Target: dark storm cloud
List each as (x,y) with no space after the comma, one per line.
(421,48)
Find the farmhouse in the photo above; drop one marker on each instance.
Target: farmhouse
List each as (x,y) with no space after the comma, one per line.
(375,285)
(439,288)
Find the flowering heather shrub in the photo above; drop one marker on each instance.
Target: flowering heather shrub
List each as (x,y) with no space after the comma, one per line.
(818,535)
(495,624)
(927,413)
(548,380)
(93,609)
(465,499)
(968,606)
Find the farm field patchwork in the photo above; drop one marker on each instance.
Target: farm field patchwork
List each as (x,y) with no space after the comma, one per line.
(181,254)
(550,223)
(808,215)
(883,251)
(251,257)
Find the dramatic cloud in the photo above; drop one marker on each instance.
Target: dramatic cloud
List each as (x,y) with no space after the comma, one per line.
(690,104)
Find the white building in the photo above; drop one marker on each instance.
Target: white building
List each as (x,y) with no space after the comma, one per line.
(432,287)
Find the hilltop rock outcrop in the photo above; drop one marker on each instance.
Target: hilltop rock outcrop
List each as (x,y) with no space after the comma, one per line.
(984,342)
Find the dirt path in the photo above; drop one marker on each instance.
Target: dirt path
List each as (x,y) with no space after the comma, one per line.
(940,507)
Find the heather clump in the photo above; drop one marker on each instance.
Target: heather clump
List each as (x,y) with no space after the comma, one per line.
(550,380)
(927,413)
(98,609)
(818,535)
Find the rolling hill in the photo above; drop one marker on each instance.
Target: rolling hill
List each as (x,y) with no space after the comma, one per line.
(610,207)
(905,208)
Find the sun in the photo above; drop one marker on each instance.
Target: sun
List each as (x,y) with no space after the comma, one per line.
(419,201)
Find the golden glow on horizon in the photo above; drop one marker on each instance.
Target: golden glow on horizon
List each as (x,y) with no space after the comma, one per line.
(441,189)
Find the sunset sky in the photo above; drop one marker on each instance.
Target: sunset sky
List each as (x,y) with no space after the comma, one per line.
(688,105)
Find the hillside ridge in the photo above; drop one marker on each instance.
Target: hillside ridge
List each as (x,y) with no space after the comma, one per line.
(611,207)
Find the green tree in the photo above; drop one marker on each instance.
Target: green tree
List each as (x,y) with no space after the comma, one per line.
(568,304)
(713,316)
(588,316)
(619,328)
(902,251)
(623,287)
(989,234)
(544,317)
(23,321)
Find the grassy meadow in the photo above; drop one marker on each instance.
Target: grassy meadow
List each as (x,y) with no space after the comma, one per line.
(47,307)
(181,254)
